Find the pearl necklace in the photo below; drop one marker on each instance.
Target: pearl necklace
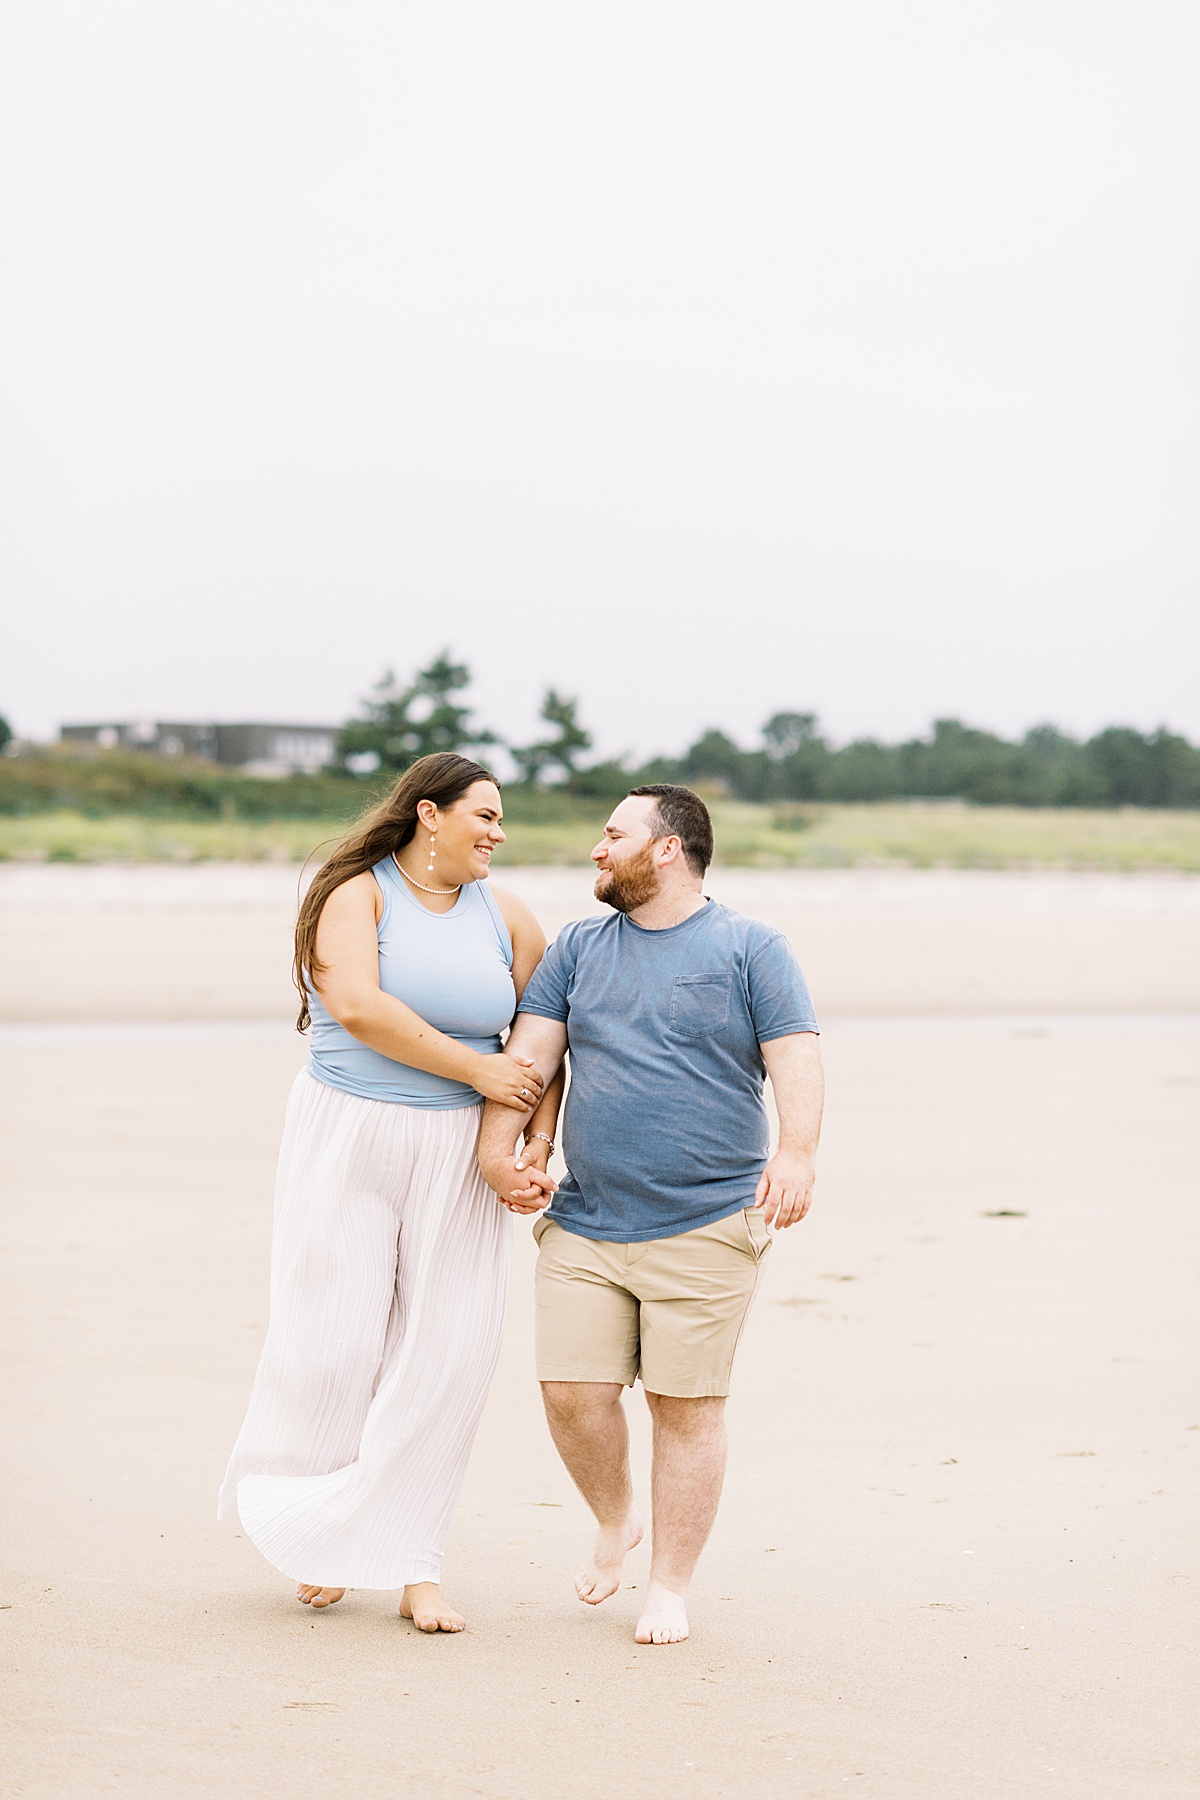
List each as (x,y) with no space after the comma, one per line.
(421,884)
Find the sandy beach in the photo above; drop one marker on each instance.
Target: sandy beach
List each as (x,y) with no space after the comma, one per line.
(152,942)
(956,1558)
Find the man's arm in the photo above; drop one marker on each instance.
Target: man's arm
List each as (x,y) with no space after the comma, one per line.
(544,1042)
(798,1083)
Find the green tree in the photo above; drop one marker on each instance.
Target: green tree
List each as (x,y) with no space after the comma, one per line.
(786,732)
(1137,770)
(714,757)
(562,751)
(798,753)
(961,762)
(399,725)
(862,770)
(1054,771)
(5,733)
(604,780)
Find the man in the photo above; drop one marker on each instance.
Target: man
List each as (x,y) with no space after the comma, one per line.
(649,1256)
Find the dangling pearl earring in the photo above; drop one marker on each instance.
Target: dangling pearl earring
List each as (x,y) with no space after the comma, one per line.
(432,853)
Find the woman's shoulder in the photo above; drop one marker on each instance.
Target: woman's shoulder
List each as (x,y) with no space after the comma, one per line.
(513,910)
(357,892)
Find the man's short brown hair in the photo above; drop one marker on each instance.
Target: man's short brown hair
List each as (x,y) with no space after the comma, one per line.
(680,813)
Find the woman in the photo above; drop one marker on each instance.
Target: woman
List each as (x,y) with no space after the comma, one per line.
(390,1257)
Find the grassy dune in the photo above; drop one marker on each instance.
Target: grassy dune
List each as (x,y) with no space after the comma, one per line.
(921,835)
(931,834)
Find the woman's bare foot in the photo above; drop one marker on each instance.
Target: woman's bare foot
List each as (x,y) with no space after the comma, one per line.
(422,1602)
(318,1596)
(600,1576)
(665,1618)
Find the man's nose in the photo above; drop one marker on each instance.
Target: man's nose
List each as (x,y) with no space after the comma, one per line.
(600,850)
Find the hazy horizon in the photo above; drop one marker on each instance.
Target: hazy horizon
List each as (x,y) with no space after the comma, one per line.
(700,361)
(483,718)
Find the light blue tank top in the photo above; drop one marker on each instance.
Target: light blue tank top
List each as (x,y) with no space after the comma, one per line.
(453,968)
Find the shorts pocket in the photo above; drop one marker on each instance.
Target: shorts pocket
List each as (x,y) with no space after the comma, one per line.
(699,1005)
(737,1234)
(757,1230)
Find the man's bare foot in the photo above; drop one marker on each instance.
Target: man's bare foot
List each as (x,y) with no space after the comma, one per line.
(422,1602)
(318,1596)
(665,1618)
(600,1576)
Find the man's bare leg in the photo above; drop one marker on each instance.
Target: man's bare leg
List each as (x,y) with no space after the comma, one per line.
(689,1468)
(587,1423)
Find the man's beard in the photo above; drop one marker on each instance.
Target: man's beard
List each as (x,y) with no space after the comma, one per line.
(630,885)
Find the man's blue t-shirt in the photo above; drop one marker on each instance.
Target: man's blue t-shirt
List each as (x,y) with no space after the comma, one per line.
(665,1127)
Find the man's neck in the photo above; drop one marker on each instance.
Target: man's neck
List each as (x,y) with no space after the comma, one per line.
(668,909)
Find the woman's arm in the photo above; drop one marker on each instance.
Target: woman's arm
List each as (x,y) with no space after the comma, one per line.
(528,938)
(348,947)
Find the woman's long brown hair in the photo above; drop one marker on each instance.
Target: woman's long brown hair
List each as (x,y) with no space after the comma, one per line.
(443,778)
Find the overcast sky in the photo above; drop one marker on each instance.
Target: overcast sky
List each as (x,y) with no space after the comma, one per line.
(701,359)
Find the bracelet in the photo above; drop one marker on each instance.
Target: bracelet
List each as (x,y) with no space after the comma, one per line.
(542,1135)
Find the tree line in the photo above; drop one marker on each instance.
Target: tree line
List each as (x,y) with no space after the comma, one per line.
(793,762)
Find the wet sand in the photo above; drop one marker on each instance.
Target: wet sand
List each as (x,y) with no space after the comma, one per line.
(213,941)
(956,1555)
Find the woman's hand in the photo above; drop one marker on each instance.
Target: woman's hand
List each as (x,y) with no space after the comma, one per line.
(511,1080)
(530,1187)
(523,1184)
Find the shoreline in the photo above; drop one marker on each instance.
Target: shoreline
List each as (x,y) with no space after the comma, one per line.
(214,941)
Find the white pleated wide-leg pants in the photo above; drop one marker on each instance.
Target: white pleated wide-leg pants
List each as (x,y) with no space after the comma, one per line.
(389,1270)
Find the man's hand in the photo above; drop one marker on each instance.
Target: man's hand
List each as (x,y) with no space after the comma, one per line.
(794,1065)
(785,1190)
(519,1178)
(534,1163)
(521,1182)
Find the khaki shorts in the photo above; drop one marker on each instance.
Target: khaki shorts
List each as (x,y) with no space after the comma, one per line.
(670,1310)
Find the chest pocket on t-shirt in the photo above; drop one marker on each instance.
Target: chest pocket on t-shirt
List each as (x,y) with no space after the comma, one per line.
(699,1005)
